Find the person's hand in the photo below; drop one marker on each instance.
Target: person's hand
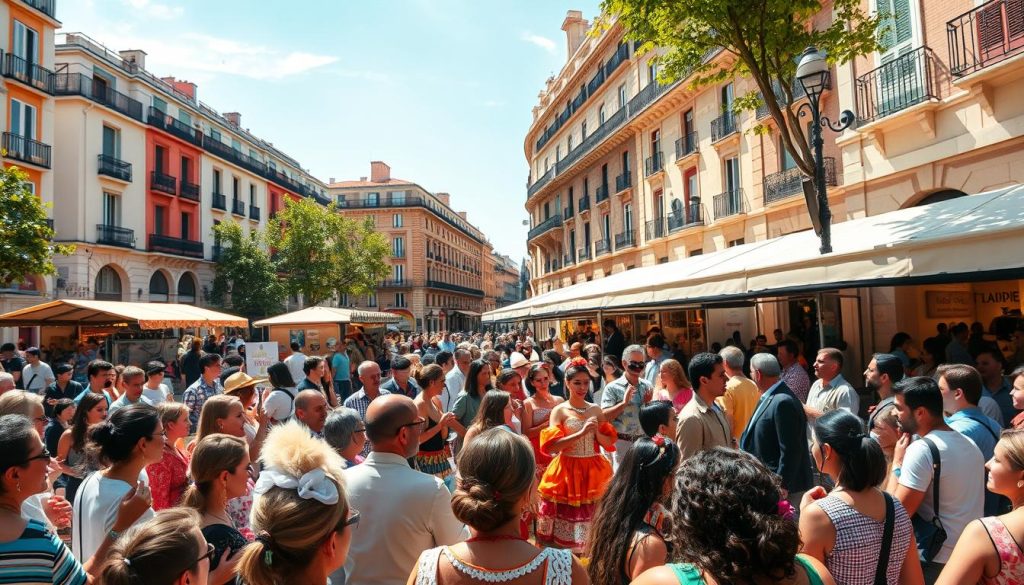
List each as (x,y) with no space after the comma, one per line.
(51,401)
(226,568)
(590,426)
(58,511)
(901,449)
(446,418)
(812,495)
(133,505)
(53,470)
(871,409)
(630,392)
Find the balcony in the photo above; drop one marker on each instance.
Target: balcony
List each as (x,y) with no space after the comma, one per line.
(164,183)
(190,191)
(176,246)
(654,164)
(79,84)
(548,224)
(686,145)
(18,147)
(655,228)
(723,126)
(237,157)
(455,288)
(220,201)
(114,167)
(905,81)
(396,283)
(603,131)
(623,182)
(602,247)
(984,36)
(238,207)
(173,126)
(254,213)
(567,213)
(584,203)
(568,260)
(47,7)
(583,253)
(784,184)
(28,73)
(686,217)
(540,182)
(729,203)
(626,239)
(601,193)
(113,235)
(554,265)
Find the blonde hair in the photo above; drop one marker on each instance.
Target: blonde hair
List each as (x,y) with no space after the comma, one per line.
(213,454)
(1012,441)
(170,411)
(215,407)
(675,370)
(289,527)
(20,402)
(155,552)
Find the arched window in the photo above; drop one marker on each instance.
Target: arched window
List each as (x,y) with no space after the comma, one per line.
(108,285)
(938,196)
(158,288)
(187,288)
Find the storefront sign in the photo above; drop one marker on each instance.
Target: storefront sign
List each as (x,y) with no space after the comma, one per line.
(941,304)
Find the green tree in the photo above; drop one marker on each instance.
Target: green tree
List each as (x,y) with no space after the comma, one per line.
(26,239)
(325,254)
(245,280)
(763,39)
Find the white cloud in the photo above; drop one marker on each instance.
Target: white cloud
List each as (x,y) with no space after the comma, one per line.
(155,9)
(542,42)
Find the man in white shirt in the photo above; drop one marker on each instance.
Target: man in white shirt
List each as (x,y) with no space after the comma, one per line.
(296,362)
(411,510)
(36,375)
(455,380)
(132,379)
(830,391)
(155,390)
(961,481)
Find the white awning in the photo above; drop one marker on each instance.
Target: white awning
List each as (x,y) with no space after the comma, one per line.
(65,312)
(979,237)
(318,314)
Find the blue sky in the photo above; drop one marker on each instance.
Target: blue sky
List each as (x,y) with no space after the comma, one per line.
(442,90)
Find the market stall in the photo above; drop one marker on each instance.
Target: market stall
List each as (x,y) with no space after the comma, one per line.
(312,327)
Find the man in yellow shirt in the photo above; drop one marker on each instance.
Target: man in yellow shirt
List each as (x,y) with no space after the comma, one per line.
(741,394)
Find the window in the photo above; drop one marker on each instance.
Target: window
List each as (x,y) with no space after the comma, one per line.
(235,144)
(111,209)
(399,299)
(186,226)
(252,195)
(371,300)
(215,134)
(727,98)
(627,216)
(736,242)
(652,71)
(111,142)
(569,146)
(397,197)
(600,115)
(558,153)
(583,130)
(236,185)
(185,117)
(399,272)
(622,95)
(23,119)
(786,160)
(186,170)
(187,288)
(625,162)
(161,106)
(732,174)
(373,199)
(396,220)
(688,126)
(158,288)
(108,285)
(26,43)
(344,300)
(160,220)
(398,247)
(160,157)
(217,181)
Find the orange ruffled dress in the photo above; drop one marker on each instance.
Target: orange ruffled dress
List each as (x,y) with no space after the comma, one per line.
(571,486)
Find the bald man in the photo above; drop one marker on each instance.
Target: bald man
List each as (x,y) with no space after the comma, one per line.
(386,551)
(311,410)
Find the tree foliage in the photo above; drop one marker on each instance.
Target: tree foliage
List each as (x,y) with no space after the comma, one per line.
(762,39)
(325,254)
(245,280)
(26,239)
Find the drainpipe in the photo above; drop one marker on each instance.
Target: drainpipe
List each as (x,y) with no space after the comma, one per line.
(84,223)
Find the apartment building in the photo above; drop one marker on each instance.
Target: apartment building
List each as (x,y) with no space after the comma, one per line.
(438,258)
(506,281)
(144,170)
(626,172)
(27,120)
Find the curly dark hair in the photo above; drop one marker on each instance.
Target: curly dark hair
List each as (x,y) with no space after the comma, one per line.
(725,518)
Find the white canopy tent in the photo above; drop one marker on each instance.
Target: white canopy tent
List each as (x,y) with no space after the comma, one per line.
(979,237)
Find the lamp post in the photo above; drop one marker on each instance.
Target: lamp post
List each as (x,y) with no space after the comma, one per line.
(813,74)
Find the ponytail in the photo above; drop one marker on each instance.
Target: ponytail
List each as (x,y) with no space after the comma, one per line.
(861,458)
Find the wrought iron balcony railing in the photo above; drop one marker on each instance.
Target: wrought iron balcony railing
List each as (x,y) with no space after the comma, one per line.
(254,213)
(686,217)
(654,164)
(686,145)
(626,239)
(583,253)
(27,150)
(729,203)
(160,119)
(723,126)
(584,203)
(176,246)
(655,228)
(623,182)
(238,207)
(601,193)
(114,167)
(548,224)
(113,235)
(220,201)
(779,186)
(99,92)
(28,73)
(986,35)
(163,182)
(190,191)
(905,81)
(602,246)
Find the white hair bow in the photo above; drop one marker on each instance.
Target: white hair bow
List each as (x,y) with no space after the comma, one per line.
(314,485)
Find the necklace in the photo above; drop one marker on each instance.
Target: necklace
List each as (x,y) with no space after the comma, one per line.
(577,410)
(222,519)
(494,537)
(491,576)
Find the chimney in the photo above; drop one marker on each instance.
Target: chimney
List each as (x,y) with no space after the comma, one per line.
(331,180)
(380,172)
(136,56)
(462,214)
(444,197)
(233,118)
(185,87)
(363,179)
(575,27)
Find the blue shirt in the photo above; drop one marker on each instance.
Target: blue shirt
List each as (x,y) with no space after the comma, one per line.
(392,387)
(972,423)
(194,398)
(88,389)
(1003,399)
(341,366)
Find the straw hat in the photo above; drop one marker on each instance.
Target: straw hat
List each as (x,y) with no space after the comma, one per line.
(239,381)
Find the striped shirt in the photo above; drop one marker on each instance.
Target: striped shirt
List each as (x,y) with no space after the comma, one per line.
(39,557)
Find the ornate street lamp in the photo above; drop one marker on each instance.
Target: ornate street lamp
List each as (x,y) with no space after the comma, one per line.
(813,73)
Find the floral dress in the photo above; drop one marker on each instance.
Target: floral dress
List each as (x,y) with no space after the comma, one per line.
(1011,558)
(574,481)
(238,510)
(168,478)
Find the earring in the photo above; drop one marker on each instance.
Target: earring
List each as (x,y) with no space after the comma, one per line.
(19,486)
(1020,484)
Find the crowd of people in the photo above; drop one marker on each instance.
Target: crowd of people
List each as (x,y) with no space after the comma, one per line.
(461,458)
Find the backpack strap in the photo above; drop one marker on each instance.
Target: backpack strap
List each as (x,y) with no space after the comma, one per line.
(937,467)
(883,556)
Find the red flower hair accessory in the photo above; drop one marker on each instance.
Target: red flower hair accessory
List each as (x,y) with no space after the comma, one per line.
(658,440)
(578,362)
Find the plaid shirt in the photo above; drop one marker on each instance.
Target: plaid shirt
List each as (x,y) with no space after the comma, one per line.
(194,398)
(360,402)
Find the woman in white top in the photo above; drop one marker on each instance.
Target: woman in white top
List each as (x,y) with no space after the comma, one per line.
(131,439)
(496,483)
(154,389)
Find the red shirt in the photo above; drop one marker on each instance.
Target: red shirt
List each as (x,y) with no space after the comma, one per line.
(168,478)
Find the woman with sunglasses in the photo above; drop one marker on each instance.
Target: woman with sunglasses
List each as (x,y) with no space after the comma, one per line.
(578,474)
(220,472)
(168,549)
(302,519)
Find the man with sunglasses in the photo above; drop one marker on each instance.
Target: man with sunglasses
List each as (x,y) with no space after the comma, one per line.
(622,400)
(411,510)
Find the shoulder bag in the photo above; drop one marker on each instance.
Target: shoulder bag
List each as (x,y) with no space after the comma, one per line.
(930,534)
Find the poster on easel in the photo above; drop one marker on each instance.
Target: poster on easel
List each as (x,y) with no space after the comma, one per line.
(259,356)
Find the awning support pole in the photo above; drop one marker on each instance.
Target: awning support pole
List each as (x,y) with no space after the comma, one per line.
(819,300)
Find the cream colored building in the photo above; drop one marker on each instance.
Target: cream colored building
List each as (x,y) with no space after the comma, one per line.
(625,172)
